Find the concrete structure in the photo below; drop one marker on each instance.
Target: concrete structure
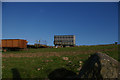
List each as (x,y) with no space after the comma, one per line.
(64,40)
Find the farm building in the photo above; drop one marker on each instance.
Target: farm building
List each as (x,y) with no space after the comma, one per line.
(9,44)
(64,40)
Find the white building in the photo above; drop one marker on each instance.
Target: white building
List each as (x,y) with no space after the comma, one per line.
(64,40)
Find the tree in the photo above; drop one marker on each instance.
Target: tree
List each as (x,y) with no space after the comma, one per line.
(116,43)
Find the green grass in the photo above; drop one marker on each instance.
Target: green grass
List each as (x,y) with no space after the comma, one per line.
(68,49)
(27,66)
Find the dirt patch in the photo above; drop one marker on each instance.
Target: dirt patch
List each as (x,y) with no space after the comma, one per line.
(40,54)
(51,53)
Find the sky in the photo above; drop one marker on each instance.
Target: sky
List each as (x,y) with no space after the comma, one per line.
(92,23)
(60,0)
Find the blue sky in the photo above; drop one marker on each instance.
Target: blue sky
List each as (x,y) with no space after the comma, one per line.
(92,23)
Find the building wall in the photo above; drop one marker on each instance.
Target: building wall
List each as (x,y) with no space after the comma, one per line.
(64,40)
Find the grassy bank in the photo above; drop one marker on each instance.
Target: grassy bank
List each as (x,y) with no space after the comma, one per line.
(39,63)
(67,49)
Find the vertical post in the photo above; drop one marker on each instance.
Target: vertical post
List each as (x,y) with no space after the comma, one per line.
(39,42)
(36,43)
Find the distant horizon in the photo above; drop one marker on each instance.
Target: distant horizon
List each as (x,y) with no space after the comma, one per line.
(93,23)
(53,45)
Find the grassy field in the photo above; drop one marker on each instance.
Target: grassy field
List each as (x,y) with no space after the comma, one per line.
(39,63)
